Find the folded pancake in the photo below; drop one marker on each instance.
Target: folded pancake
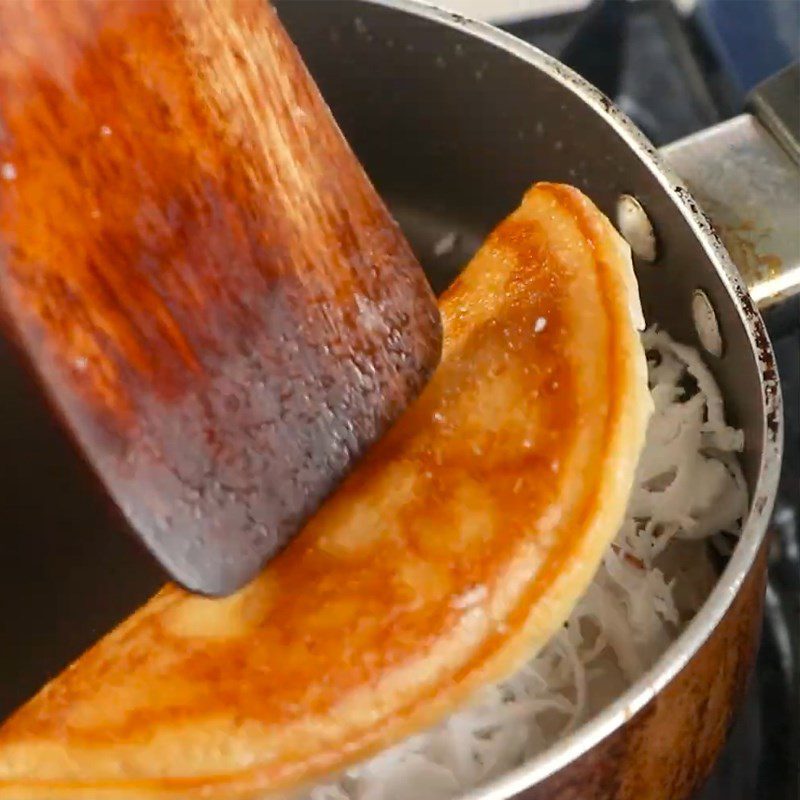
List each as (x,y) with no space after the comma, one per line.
(450,554)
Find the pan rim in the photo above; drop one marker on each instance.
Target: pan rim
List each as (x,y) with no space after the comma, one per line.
(692,638)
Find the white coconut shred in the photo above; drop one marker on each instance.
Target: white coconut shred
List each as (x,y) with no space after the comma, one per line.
(689,493)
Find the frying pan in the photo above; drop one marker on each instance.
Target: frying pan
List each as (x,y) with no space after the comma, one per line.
(453,120)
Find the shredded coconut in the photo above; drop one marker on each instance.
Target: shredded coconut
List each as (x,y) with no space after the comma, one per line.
(654,577)
(445,245)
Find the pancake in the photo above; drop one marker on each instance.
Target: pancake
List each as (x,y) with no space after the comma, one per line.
(450,554)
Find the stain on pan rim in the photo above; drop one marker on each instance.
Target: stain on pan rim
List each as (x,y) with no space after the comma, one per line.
(693,637)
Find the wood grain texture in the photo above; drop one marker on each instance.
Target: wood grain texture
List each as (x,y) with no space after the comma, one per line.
(210,289)
(448,556)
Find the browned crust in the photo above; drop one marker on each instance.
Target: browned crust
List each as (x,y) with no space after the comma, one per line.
(511,472)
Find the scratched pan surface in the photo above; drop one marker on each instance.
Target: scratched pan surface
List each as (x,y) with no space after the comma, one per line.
(453,121)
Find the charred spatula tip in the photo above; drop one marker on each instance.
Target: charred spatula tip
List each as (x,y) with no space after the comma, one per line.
(212,293)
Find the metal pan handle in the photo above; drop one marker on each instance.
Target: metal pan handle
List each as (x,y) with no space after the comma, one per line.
(745,172)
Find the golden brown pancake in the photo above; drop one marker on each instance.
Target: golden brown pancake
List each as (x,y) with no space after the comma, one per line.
(448,557)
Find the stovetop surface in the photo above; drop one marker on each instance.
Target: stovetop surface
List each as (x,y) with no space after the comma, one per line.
(675,75)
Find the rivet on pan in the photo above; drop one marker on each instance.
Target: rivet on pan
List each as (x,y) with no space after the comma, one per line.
(636,228)
(706,323)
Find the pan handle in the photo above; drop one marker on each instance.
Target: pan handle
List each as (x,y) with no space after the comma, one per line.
(745,172)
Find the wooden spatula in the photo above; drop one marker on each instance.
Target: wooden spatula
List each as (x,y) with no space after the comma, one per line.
(214,296)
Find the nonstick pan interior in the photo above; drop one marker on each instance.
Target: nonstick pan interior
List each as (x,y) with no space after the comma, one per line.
(452,129)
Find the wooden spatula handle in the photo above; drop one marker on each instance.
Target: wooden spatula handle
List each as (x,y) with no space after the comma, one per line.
(205,280)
